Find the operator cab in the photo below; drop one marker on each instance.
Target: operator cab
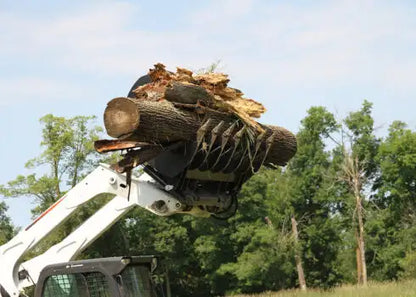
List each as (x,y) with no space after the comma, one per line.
(105,277)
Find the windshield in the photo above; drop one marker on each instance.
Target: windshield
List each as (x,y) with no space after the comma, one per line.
(136,282)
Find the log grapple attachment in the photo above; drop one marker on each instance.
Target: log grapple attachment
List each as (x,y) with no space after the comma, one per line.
(206,163)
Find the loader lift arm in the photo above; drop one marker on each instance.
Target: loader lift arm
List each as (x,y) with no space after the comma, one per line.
(142,191)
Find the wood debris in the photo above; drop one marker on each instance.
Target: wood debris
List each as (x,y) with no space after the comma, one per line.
(221,97)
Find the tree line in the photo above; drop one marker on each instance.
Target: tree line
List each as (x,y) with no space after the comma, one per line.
(342,211)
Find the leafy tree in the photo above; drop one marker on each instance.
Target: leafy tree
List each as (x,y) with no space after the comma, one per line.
(6,227)
(362,140)
(393,228)
(262,253)
(397,158)
(311,200)
(266,262)
(67,155)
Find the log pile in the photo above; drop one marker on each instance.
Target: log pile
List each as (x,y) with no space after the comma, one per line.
(208,121)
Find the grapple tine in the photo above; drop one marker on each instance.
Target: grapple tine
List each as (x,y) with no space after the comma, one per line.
(237,138)
(226,135)
(259,141)
(269,143)
(242,158)
(239,134)
(214,134)
(224,140)
(200,134)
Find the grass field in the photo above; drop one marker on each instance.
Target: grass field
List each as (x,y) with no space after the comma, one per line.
(393,289)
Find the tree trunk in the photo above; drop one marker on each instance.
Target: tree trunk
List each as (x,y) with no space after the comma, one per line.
(162,122)
(298,259)
(354,176)
(168,289)
(361,240)
(358,259)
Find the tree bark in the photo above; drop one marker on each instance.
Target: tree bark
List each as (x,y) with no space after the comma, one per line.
(357,186)
(358,259)
(361,241)
(298,259)
(162,123)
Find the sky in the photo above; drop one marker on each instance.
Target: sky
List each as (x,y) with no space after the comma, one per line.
(70,58)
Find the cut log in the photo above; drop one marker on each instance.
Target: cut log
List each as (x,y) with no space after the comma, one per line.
(164,122)
(187,93)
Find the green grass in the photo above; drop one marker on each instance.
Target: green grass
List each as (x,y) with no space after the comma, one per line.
(392,289)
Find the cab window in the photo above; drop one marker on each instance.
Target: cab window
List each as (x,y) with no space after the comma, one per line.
(92,284)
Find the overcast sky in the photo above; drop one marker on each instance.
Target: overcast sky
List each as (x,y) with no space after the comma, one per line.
(71,57)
